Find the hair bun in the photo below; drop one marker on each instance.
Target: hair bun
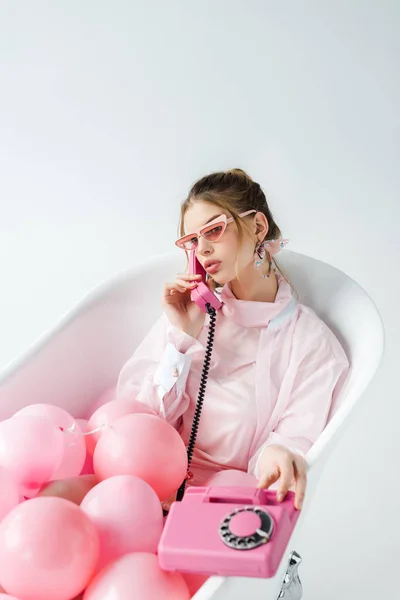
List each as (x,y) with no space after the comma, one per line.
(240,174)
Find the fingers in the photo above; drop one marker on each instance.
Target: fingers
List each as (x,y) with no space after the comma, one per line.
(291,470)
(183,282)
(186,285)
(177,287)
(287,476)
(300,474)
(188,276)
(268,479)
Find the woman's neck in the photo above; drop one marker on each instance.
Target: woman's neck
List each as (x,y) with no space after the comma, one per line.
(253,287)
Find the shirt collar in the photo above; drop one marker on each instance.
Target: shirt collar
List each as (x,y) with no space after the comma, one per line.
(252,313)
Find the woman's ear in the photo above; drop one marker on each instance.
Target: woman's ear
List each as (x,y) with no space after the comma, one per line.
(262,225)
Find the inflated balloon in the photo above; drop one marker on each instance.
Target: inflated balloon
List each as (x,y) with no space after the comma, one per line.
(74,444)
(9,493)
(110,412)
(48,550)
(73,489)
(4,595)
(31,449)
(127,514)
(145,446)
(87,468)
(138,576)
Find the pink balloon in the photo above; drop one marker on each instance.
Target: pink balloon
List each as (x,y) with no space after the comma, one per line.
(145,446)
(138,576)
(5,596)
(110,412)
(31,450)
(87,468)
(74,452)
(9,493)
(48,550)
(127,514)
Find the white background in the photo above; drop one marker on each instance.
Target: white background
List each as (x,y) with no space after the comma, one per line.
(108,113)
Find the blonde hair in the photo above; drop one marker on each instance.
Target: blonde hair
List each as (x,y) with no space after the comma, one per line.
(236,192)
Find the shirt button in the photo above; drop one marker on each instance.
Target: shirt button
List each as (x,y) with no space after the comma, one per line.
(175,372)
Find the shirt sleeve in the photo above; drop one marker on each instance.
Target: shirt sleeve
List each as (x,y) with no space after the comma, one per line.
(319,378)
(157,372)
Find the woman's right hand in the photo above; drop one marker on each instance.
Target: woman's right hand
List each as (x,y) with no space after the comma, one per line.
(180,308)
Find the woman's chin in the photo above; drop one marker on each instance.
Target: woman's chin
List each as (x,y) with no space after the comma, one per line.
(222,278)
(221,281)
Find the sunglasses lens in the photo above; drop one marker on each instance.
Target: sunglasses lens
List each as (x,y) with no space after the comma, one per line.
(188,243)
(213,233)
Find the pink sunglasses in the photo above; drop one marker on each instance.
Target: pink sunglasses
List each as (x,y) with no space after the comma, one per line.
(211,232)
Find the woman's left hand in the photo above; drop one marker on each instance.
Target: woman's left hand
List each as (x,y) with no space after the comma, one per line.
(278,462)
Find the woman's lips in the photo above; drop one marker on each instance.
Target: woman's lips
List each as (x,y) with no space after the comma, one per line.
(213,268)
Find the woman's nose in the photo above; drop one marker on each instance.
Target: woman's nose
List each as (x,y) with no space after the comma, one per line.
(203,246)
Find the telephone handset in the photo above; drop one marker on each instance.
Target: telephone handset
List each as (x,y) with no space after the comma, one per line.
(209,303)
(202,294)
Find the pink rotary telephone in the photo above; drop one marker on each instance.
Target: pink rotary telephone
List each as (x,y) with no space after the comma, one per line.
(229,531)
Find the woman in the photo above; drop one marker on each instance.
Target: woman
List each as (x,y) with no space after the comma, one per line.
(276,368)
